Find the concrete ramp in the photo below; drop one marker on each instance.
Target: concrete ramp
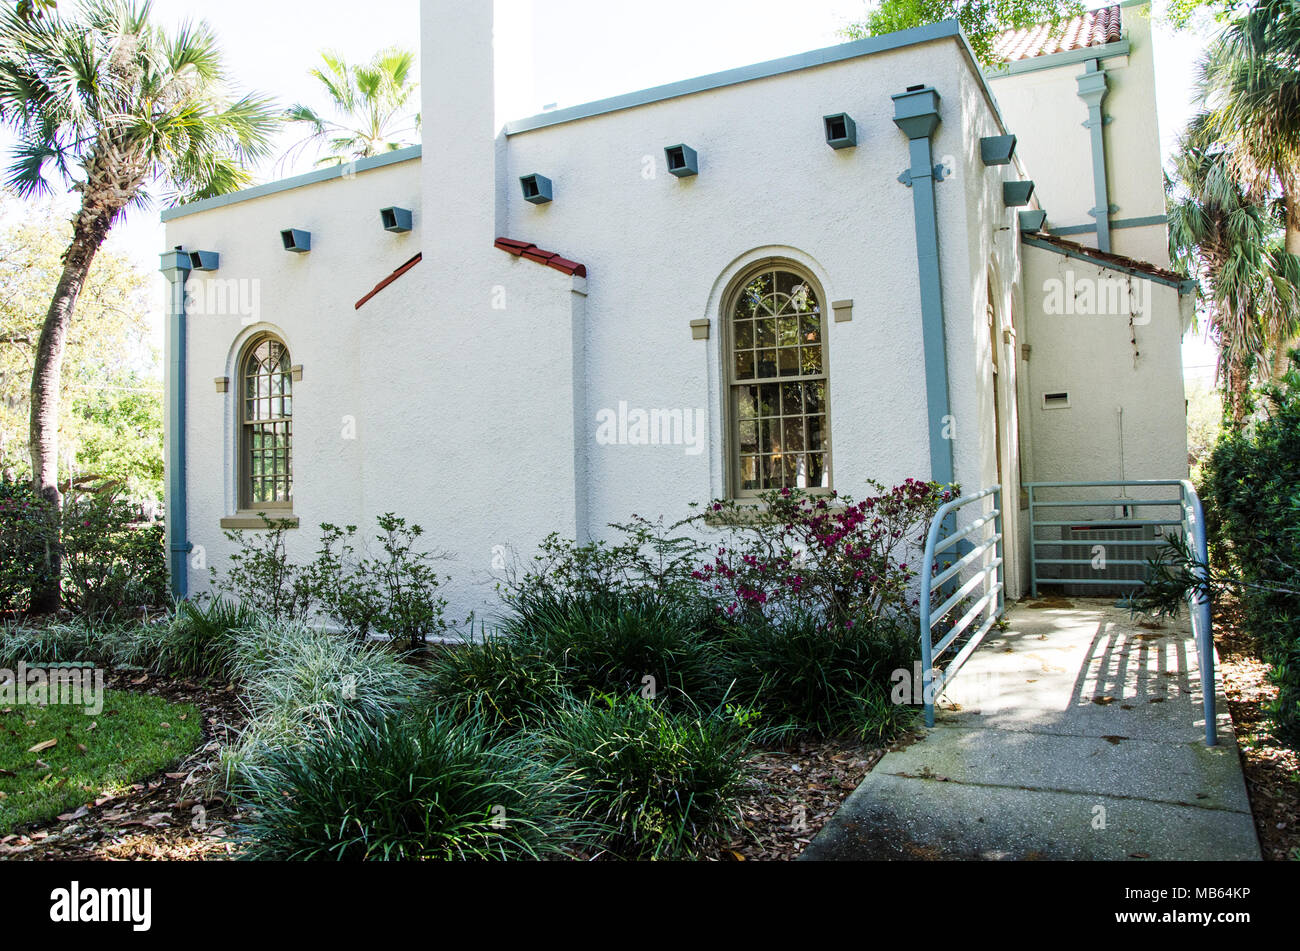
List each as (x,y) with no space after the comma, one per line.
(1076,734)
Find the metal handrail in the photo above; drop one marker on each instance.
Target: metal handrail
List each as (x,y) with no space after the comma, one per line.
(992,603)
(1192,525)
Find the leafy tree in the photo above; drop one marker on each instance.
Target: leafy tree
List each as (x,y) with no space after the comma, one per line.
(110,415)
(114,107)
(1233,246)
(981,20)
(371,106)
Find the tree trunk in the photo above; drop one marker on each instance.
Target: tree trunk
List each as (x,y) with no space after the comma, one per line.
(1291,243)
(90,229)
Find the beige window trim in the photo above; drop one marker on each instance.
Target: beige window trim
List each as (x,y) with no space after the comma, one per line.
(252,521)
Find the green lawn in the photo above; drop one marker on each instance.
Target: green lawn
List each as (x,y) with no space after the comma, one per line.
(132,737)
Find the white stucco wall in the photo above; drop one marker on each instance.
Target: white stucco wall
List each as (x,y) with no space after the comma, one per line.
(465,396)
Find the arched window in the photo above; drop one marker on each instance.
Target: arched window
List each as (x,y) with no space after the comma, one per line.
(266,426)
(775,356)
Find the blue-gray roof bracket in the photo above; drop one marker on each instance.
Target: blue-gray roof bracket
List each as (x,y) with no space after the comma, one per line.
(997,149)
(1016,194)
(1092,90)
(841,131)
(176,266)
(537,188)
(916,113)
(1032,220)
(204,260)
(682,161)
(296,240)
(397,220)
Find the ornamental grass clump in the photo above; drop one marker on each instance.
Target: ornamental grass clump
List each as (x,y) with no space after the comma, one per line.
(407,788)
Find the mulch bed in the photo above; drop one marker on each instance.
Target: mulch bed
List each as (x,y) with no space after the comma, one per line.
(1271,767)
(172,815)
(795,792)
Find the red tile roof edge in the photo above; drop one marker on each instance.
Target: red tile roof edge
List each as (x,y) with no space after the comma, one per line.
(1105,258)
(1091,28)
(392,277)
(522,249)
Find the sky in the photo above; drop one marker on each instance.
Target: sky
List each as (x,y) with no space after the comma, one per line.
(563,52)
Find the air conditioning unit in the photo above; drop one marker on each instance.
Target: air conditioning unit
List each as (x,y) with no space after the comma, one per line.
(1082,541)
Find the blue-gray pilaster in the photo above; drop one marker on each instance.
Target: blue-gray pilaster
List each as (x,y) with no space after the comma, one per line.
(176,268)
(1092,90)
(916,113)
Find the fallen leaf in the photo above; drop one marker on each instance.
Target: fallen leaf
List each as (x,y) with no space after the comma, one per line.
(42,747)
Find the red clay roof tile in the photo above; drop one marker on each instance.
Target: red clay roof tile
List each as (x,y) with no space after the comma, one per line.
(1091,28)
(533,253)
(388,280)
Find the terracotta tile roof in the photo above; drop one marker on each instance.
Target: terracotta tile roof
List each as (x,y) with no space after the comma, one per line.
(1107,257)
(388,280)
(1091,28)
(522,249)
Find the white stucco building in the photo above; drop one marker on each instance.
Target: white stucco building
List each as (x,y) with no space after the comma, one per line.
(807,272)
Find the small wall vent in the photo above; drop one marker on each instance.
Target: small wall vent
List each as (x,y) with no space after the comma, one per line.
(682,161)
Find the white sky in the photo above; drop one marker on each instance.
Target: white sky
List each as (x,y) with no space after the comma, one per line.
(564,52)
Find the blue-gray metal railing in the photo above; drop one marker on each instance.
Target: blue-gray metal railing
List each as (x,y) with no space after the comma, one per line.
(1190,522)
(982,569)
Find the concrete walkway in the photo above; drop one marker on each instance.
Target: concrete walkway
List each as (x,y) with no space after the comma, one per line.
(1076,734)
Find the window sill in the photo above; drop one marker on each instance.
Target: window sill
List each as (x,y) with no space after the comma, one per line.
(253,521)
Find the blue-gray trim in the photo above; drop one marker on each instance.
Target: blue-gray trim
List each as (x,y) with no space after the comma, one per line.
(1017,193)
(298,181)
(296,240)
(945,29)
(175,266)
(849,138)
(204,260)
(1116,224)
(997,149)
(689,158)
(1120,47)
(1092,90)
(1032,220)
(536,188)
(397,220)
(1181,285)
(916,113)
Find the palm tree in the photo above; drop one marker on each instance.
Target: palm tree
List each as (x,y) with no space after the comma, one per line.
(114,107)
(1251,89)
(371,105)
(1233,245)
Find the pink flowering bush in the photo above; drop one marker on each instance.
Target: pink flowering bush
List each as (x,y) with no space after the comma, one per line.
(847,561)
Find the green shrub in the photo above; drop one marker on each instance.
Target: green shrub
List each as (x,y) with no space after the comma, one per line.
(662,785)
(200,640)
(26,534)
(1252,494)
(394,592)
(112,567)
(496,680)
(621,643)
(262,578)
(808,676)
(406,788)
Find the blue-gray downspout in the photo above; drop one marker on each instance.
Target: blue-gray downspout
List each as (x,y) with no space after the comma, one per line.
(916,113)
(176,268)
(1092,90)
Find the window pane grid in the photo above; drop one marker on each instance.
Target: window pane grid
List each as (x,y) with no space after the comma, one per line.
(779,385)
(268,426)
